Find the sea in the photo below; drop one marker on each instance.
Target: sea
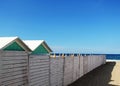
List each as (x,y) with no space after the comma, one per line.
(108,56)
(113,56)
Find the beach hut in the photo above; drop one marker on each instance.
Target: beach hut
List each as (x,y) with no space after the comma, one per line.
(38,46)
(39,63)
(13,62)
(13,44)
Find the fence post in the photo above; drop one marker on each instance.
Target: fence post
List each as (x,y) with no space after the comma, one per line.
(79,64)
(63,68)
(0,66)
(54,56)
(49,70)
(72,56)
(28,69)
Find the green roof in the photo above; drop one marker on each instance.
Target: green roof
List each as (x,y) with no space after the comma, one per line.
(14,47)
(40,50)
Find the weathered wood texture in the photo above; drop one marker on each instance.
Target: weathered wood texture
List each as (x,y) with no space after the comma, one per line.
(17,68)
(80,66)
(39,70)
(90,62)
(68,70)
(13,68)
(56,71)
(64,71)
(76,68)
(85,64)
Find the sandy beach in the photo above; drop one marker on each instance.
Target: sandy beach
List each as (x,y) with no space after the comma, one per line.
(105,75)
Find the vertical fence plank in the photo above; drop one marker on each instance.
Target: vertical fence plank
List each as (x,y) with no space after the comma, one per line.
(85,64)
(76,68)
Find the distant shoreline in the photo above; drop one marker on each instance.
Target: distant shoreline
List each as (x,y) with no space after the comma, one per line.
(112,60)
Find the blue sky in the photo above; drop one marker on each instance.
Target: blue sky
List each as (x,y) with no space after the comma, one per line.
(71,25)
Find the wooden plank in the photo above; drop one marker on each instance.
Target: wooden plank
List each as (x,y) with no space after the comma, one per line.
(40,75)
(12,70)
(40,72)
(39,79)
(40,61)
(37,83)
(43,63)
(35,63)
(38,57)
(14,66)
(85,64)
(14,78)
(21,57)
(14,62)
(5,75)
(14,53)
(0,66)
(15,81)
(39,67)
(76,68)
(17,84)
(43,82)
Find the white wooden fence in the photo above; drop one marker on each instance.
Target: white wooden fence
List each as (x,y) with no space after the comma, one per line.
(17,68)
(68,70)
(56,71)
(73,67)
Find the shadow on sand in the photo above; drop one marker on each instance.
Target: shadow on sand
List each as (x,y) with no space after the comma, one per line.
(100,76)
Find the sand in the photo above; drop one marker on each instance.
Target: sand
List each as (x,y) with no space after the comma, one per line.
(105,75)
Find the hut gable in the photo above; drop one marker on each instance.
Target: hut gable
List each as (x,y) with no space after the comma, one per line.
(38,46)
(40,50)
(12,44)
